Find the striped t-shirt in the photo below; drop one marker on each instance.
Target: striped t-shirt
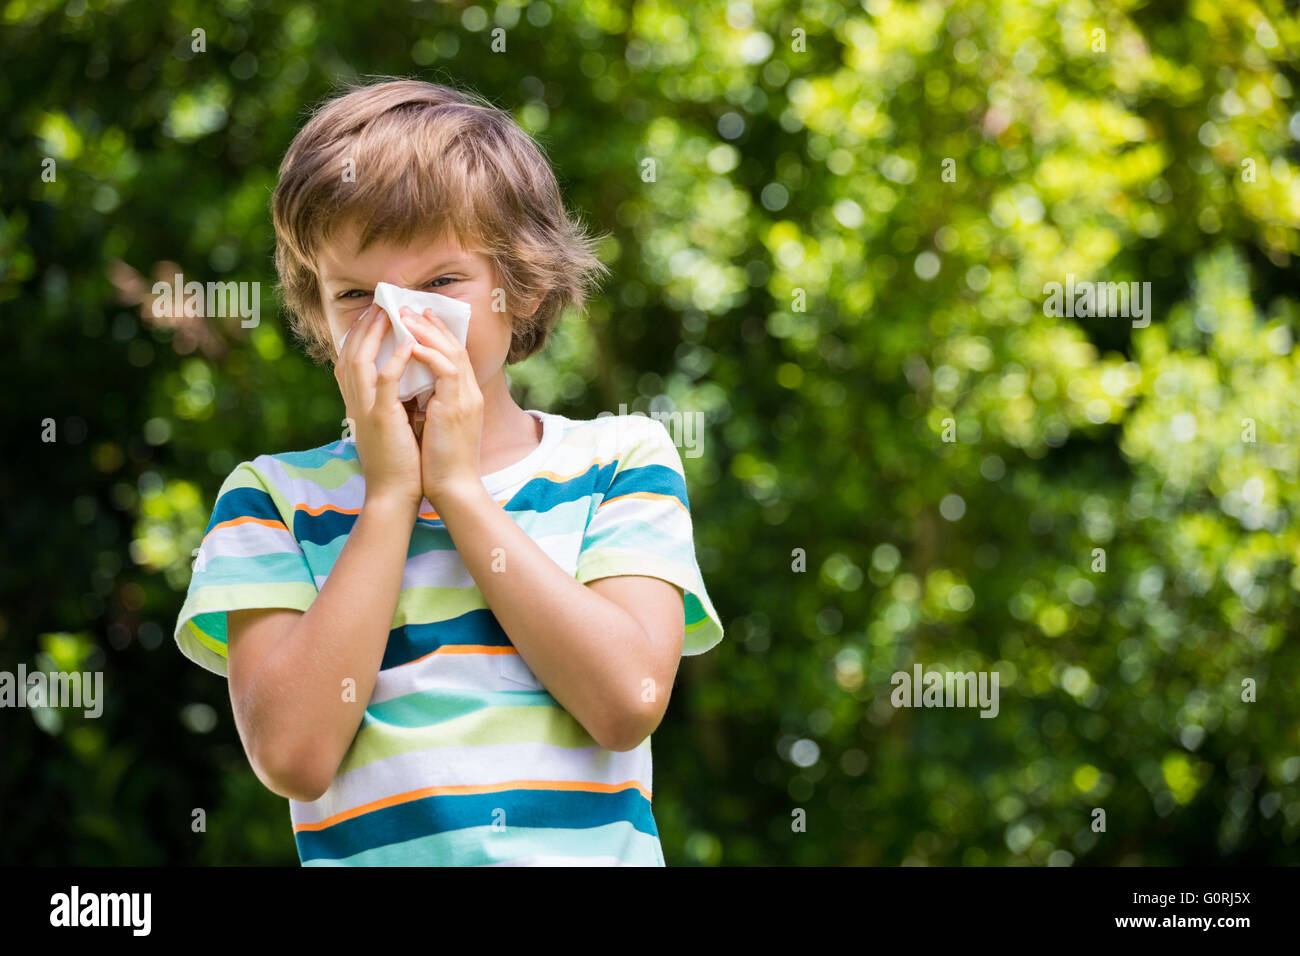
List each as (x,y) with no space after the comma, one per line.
(462,757)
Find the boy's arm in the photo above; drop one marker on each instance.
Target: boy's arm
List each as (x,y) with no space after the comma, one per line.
(287,668)
(607,651)
(657,606)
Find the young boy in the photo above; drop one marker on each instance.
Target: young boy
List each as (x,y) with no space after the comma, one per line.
(449,635)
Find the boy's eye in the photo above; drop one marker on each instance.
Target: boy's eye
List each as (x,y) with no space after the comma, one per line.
(354,293)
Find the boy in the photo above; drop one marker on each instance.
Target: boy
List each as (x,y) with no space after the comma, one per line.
(448,636)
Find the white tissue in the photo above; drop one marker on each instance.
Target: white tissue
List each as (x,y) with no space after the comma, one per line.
(417,380)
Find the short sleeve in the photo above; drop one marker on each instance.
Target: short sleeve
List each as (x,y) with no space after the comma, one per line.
(249,558)
(642,526)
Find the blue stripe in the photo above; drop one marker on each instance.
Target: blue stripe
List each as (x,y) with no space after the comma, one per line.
(322,528)
(656,478)
(412,641)
(241,503)
(538,495)
(315,457)
(543,494)
(482,846)
(439,814)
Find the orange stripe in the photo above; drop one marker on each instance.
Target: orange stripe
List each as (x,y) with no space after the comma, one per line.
(462,649)
(467,789)
(247,519)
(321,509)
(643,494)
(475,649)
(577,474)
(433,515)
(324,508)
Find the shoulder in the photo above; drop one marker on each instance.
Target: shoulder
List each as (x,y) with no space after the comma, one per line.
(278,478)
(641,460)
(296,464)
(626,439)
(281,468)
(626,449)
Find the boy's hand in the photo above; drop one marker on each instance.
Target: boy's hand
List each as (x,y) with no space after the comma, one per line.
(453,419)
(390,459)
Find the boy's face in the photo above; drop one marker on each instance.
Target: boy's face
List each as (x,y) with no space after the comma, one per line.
(348,279)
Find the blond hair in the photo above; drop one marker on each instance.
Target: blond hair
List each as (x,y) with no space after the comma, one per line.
(428,160)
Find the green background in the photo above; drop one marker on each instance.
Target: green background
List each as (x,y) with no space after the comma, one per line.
(797,146)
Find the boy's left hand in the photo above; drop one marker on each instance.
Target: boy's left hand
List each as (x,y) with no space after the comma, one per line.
(453,419)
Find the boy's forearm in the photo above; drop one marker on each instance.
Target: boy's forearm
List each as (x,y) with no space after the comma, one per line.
(342,635)
(588,652)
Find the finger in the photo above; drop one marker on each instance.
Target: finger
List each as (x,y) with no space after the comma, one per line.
(438,363)
(391,374)
(411,319)
(447,344)
(371,336)
(440,327)
(346,347)
(447,389)
(430,335)
(350,336)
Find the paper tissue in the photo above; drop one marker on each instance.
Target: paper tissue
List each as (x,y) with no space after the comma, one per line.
(417,380)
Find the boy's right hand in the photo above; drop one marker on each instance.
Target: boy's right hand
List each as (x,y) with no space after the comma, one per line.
(390,457)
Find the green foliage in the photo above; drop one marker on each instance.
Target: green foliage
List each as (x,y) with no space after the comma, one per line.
(799,151)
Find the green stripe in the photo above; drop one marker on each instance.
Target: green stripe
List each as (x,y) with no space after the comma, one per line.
(427,605)
(276,568)
(211,643)
(201,625)
(332,474)
(499,725)
(422,709)
(237,597)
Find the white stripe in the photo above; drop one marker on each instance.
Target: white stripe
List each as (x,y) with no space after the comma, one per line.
(349,496)
(247,540)
(444,567)
(666,514)
(455,672)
